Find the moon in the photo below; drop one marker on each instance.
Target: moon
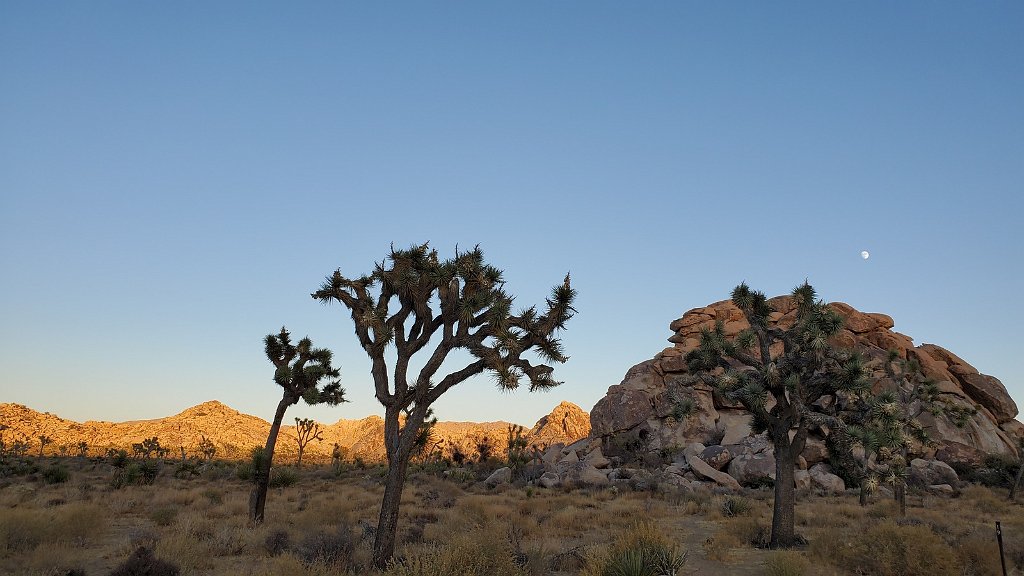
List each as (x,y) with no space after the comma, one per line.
(865,254)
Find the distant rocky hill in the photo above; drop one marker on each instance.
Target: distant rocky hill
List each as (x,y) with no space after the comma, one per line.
(235,433)
(642,404)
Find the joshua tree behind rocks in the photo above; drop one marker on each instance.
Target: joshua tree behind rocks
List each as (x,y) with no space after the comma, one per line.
(414,299)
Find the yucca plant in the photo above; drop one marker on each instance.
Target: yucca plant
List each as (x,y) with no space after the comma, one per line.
(414,299)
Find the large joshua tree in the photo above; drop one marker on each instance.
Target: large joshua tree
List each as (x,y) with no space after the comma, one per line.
(413,300)
(779,384)
(303,372)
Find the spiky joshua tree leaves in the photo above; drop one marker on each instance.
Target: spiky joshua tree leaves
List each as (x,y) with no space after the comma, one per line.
(887,425)
(778,374)
(414,302)
(302,372)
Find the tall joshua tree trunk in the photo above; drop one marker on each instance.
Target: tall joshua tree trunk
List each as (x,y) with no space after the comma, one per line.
(399,445)
(783,517)
(258,497)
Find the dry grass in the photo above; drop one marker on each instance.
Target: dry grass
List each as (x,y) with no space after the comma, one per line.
(324,524)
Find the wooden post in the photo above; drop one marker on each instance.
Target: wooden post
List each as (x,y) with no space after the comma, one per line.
(999,537)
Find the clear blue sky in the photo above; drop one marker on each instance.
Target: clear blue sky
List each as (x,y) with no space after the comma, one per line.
(176,178)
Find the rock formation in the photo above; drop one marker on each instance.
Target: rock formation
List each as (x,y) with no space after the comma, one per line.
(234,433)
(660,407)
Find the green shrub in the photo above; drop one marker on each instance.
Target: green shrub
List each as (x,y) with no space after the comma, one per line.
(136,473)
(735,506)
(283,477)
(56,474)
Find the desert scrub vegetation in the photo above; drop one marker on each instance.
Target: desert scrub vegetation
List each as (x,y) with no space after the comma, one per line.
(325,521)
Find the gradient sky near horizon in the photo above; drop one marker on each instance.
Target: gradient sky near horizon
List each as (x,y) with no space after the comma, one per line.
(176,178)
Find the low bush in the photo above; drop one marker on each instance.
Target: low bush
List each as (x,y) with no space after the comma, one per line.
(136,473)
(277,542)
(889,549)
(283,477)
(735,506)
(640,551)
(164,516)
(56,474)
(786,563)
(332,549)
(142,562)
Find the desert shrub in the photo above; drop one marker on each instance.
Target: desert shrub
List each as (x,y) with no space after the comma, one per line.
(327,548)
(164,516)
(979,555)
(749,531)
(735,506)
(18,467)
(888,549)
(24,529)
(117,458)
(213,495)
(464,555)
(186,469)
(640,551)
(142,562)
(56,474)
(996,470)
(283,477)
(276,542)
(21,530)
(134,474)
(784,563)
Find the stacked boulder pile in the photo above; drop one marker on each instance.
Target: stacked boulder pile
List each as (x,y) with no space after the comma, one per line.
(677,430)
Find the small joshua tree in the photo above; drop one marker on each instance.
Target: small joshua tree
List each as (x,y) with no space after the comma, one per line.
(888,424)
(484,449)
(303,372)
(807,367)
(206,448)
(20,448)
(306,430)
(43,441)
(83,449)
(415,299)
(516,454)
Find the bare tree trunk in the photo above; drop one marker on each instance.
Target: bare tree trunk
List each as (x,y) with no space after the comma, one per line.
(783,514)
(298,464)
(899,494)
(258,496)
(863,494)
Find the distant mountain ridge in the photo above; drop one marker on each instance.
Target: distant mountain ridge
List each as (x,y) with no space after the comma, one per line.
(235,433)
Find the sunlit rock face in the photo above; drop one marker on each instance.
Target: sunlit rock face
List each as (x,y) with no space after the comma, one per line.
(640,408)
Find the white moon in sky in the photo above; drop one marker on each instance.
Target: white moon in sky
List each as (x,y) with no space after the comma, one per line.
(865,254)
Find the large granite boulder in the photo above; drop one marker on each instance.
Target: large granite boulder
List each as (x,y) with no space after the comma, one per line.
(931,472)
(752,469)
(646,406)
